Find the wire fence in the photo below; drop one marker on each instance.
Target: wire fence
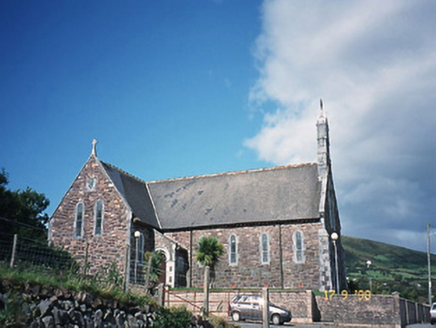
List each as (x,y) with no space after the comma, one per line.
(154,269)
(138,271)
(28,254)
(146,273)
(29,251)
(6,243)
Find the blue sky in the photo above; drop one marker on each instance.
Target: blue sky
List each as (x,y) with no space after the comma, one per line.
(181,88)
(162,85)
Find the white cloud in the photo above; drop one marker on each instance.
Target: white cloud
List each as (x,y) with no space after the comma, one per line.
(374,64)
(285,138)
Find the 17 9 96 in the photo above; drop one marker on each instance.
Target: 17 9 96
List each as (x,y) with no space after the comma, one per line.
(363,294)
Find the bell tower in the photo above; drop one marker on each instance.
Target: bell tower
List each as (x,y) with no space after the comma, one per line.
(323,159)
(323,151)
(323,142)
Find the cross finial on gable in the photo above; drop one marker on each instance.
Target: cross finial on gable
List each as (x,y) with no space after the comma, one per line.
(94,148)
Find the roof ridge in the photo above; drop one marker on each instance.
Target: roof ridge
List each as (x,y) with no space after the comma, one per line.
(124,172)
(282,167)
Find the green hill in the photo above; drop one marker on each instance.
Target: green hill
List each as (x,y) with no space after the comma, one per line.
(393,268)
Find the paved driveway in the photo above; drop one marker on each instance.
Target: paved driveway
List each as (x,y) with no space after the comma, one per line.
(244,324)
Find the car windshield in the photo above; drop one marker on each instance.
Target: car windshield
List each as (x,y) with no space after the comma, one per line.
(236,298)
(246,299)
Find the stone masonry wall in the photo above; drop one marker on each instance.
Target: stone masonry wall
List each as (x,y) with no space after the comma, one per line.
(111,245)
(355,310)
(306,275)
(249,270)
(379,310)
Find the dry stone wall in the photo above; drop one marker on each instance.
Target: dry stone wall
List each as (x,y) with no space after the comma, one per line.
(60,308)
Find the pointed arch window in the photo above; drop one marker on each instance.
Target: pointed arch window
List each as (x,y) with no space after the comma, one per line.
(233,250)
(98,220)
(78,221)
(264,248)
(298,245)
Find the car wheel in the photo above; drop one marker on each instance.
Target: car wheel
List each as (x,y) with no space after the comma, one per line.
(276,319)
(236,316)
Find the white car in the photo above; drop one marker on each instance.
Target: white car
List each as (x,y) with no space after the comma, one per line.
(433,314)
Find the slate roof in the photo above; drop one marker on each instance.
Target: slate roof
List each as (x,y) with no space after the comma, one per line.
(135,194)
(278,194)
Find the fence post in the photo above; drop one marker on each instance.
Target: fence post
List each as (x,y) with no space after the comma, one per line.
(161,295)
(147,277)
(265,308)
(206,290)
(127,269)
(14,250)
(167,292)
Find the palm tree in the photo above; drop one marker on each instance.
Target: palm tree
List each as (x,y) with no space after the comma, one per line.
(209,250)
(154,272)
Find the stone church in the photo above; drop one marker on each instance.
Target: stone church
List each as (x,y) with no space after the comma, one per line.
(275,224)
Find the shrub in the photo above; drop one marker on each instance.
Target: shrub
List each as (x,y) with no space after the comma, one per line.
(173,317)
(11,311)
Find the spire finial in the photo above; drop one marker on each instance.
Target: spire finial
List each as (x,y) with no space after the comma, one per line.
(94,148)
(322,114)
